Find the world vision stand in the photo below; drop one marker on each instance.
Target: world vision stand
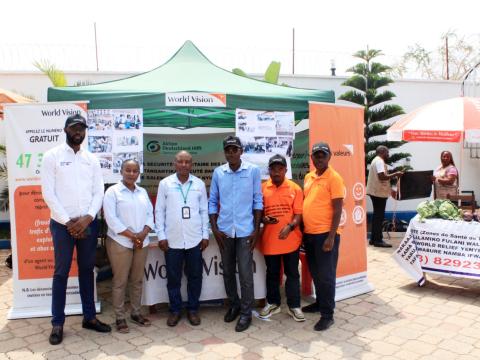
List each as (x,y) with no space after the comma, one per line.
(342,128)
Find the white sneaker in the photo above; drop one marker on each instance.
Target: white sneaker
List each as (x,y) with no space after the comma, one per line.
(296,314)
(269,310)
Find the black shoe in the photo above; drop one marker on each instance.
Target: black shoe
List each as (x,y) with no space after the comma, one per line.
(56,336)
(312,308)
(382,244)
(96,325)
(243,323)
(323,324)
(231,314)
(371,242)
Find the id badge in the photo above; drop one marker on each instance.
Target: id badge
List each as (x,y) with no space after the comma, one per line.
(186,212)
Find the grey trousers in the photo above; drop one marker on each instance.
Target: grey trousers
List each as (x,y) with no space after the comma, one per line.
(126,264)
(237,250)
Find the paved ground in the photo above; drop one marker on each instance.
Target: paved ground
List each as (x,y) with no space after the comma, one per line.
(396,321)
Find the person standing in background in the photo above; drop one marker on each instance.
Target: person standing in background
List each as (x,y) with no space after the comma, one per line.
(379,189)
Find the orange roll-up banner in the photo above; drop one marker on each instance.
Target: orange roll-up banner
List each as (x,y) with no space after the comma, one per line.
(342,128)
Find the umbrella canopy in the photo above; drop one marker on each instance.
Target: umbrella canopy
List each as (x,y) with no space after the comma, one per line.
(451,120)
(11,97)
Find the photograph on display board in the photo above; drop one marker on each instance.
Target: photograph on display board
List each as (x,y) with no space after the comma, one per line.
(100,144)
(285,125)
(125,120)
(106,163)
(112,133)
(254,145)
(266,124)
(119,158)
(264,134)
(99,120)
(246,123)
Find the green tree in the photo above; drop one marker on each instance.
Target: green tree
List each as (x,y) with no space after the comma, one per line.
(367,81)
(463,54)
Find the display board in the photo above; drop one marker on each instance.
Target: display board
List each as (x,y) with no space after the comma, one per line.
(32,129)
(342,128)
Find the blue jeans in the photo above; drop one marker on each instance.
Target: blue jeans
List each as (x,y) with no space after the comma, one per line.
(323,268)
(175,260)
(63,244)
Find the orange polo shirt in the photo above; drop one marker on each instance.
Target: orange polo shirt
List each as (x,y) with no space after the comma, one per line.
(282,203)
(317,206)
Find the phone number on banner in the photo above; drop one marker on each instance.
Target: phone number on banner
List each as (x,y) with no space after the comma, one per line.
(445,265)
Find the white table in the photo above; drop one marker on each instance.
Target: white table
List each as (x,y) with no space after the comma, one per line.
(441,247)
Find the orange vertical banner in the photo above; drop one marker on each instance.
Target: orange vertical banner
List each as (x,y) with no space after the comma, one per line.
(342,128)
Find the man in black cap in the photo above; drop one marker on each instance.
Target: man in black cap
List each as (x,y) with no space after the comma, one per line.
(72,187)
(281,238)
(322,208)
(235,209)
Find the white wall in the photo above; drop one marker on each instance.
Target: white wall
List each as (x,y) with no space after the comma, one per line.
(410,95)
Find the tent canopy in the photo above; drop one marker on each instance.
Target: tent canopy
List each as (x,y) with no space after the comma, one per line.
(190,71)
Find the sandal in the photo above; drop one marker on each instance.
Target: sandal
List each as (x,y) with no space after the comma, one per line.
(140,320)
(122,326)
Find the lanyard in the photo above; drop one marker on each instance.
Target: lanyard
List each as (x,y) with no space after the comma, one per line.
(185,195)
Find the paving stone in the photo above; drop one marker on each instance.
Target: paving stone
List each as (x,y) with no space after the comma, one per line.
(117,347)
(383,348)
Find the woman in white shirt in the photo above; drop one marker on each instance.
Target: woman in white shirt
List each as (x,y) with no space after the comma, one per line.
(129,215)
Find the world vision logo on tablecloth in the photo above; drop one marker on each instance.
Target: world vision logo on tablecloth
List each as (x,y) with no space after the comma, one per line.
(346,151)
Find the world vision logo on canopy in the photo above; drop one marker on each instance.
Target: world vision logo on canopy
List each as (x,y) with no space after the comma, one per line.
(347,150)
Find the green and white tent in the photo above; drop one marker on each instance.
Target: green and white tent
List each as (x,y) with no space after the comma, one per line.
(190,71)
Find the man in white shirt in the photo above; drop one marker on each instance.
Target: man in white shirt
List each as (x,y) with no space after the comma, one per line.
(72,187)
(181,216)
(379,189)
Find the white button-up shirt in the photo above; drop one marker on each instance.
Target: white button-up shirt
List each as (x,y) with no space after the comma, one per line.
(72,183)
(170,225)
(125,209)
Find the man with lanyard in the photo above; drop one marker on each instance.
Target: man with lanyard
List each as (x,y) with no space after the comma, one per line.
(322,208)
(235,208)
(181,217)
(281,238)
(72,187)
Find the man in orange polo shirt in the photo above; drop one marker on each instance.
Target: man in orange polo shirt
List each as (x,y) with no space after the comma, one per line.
(322,207)
(281,239)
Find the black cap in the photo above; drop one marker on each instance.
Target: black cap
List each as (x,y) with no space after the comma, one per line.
(321,146)
(75,119)
(232,141)
(277,159)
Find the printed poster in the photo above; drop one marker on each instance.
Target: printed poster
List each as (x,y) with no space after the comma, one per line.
(115,135)
(264,134)
(32,129)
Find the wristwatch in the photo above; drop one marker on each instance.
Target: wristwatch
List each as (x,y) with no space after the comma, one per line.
(291,226)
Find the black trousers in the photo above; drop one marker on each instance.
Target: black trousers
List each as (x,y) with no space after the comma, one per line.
(379,205)
(292,284)
(323,268)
